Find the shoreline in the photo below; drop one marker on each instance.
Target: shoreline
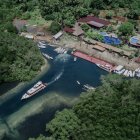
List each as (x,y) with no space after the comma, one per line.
(71,42)
(52,100)
(10,93)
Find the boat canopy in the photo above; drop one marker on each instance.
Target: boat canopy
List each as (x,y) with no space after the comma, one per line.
(119,67)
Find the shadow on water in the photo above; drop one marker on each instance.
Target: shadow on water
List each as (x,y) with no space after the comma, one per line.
(62,79)
(7,86)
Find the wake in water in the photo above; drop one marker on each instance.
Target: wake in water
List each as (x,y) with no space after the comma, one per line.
(56,77)
(62,58)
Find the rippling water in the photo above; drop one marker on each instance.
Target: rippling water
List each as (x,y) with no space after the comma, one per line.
(23,119)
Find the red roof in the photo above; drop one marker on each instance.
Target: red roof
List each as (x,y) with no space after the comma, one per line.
(95,19)
(68,29)
(137,60)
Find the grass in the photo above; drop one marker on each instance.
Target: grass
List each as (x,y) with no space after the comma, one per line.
(127,48)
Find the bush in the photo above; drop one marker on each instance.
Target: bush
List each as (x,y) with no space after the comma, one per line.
(85,27)
(109,15)
(126,28)
(26,16)
(55,27)
(10,28)
(110,28)
(70,21)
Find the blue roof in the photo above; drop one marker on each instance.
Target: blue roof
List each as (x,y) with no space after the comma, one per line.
(112,40)
(134,40)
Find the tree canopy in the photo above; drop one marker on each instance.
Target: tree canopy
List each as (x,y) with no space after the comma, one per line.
(20,59)
(126,28)
(111,112)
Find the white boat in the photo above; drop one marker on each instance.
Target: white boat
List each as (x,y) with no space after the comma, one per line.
(65,52)
(137,70)
(42,42)
(60,50)
(47,56)
(130,74)
(88,87)
(104,67)
(75,58)
(41,46)
(78,82)
(138,74)
(34,90)
(125,73)
(133,73)
(122,71)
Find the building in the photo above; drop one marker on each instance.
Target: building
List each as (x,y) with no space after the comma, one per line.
(58,35)
(94,21)
(135,41)
(27,35)
(76,30)
(118,68)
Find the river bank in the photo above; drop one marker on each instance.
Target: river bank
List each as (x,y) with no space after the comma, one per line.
(11,92)
(68,41)
(74,43)
(28,118)
(10,125)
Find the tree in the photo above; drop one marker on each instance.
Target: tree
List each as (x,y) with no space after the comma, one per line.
(20,59)
(55,27)
(85,27)
(126,28)
(62,126)
(109,15)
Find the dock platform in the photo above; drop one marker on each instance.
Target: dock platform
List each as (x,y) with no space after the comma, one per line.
(93,59)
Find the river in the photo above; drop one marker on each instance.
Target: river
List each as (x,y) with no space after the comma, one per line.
(28,118)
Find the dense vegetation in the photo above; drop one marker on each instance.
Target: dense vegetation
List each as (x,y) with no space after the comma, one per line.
(67,11)
(111,112)
(20,59)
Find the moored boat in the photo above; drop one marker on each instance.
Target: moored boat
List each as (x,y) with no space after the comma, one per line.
(75,58)
(104,67)
(88,87)
(78,82)
(34,90)
(47,56)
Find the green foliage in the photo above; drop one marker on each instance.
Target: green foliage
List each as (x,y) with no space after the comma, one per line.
(109,15)
(63,125)
(55,27)
(111,112)
(26,16)
(70,22)
(110,28)
(41,137)
(94,35)
(126,28)
(85,27)
(20,59)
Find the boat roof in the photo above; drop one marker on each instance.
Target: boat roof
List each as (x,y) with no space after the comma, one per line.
(119,67)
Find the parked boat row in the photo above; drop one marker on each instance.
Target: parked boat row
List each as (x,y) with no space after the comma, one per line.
(41,44)
(60,50)
(128,73)
(47,56)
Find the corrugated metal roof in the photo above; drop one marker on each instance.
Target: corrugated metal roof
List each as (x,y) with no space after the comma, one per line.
(68,29)
(59,34)
(95,19)
(96,24)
